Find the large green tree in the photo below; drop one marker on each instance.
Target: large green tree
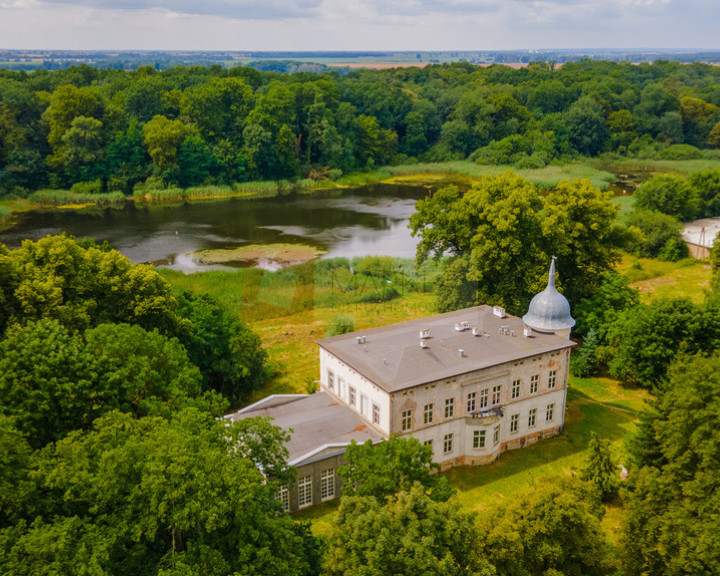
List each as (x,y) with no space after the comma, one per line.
(151,496)
(82,284)
(382,470)
(53,381)
(410,534)
(552,528)
(672,501)
(500,234)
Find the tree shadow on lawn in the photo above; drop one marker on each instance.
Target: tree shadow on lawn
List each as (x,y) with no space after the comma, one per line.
(557,455)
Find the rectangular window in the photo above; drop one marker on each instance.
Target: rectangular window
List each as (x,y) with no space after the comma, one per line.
(471,402)
(483,398)
(428,413)
(351,395)
(331,379)
(363,404)
(428,443)
(341,387)
(551,378)
(448,443)
(283,496)
(496,435)
(406,420)
(327,484)
(531,417)
(376,414)
(549,412)
(514,422)
(449,407)
(516,389)
(496,395)
(305,491)
(534,383)
(479,439)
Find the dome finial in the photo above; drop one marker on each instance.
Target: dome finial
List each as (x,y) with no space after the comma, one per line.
(551,274)
(549,311)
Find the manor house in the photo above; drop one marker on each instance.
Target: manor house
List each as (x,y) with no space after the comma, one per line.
(471,384)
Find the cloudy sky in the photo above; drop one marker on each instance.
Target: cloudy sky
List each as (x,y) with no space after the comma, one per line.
(358,24)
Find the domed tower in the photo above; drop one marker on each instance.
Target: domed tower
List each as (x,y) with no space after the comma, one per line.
(549,311)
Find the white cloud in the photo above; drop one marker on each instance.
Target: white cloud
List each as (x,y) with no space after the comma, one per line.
(357,24)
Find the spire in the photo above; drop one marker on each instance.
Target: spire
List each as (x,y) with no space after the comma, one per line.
(549,311)
(551,274)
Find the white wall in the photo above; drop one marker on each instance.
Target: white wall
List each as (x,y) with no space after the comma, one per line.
(363,386)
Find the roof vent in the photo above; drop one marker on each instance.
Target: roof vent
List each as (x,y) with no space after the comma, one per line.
(527,332)
(425,333)
(499,311)
(423,344)
(476,331)
(461,352)
(364,339)
(358,339)
(460,326)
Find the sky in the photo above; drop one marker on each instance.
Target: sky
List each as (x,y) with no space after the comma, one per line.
(371,25)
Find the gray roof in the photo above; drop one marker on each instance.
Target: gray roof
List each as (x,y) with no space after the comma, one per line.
(318,421)
(392,357)
(549,310)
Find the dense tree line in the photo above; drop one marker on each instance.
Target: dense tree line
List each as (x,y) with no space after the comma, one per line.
(112,130)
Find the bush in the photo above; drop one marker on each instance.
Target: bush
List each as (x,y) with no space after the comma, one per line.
(376,266)
(681,152)
(94,187)
(670,195)
(657,231)
(674,249)
(341,324)
(382,295)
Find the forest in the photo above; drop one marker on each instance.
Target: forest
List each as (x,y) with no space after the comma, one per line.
(99,130)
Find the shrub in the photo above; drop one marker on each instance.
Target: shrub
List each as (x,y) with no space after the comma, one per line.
(341,324)
(673,250)
(94,187)
(681,152)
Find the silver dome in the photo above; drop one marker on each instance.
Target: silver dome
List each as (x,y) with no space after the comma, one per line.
(549,310)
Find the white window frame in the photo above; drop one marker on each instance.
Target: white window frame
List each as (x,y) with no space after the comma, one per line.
(305,492)
(428,412)
(406,420)
(448,443)
(496,435)
(327,484)
(449,407)
(514,423)
(283,496)
(331,379)
(352,395)
(532,417)
(516,389)
(471,402)
(496,395)
(550,412)
(478,439)
(376,413)
(484,397)
(534,379)
(552,378)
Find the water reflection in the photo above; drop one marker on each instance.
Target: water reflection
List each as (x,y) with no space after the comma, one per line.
(358,222)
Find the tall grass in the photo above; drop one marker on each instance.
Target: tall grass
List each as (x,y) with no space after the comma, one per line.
(545,178)
(60,197)
(240,189)
(5,212)
(683,166)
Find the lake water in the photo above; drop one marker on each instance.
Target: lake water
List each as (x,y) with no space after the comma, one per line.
(371,220)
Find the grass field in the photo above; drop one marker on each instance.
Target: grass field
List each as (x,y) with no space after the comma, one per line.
(657,279)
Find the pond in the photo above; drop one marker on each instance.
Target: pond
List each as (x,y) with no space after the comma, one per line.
(371,220)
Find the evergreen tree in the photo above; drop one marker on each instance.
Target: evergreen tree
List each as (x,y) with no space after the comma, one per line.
(600,470)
